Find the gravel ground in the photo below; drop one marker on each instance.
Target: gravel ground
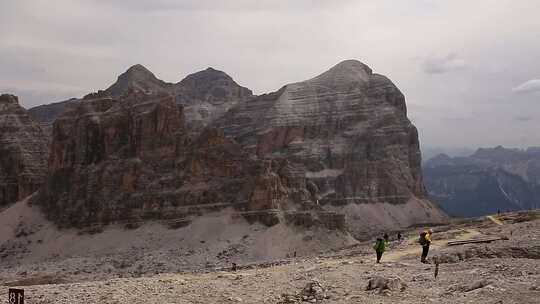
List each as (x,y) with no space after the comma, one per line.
(506,271)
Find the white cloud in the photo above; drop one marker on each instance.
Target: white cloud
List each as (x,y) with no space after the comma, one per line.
(444,64)
(530,86)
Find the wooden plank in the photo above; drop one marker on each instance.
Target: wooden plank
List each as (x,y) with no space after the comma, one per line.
(454,243)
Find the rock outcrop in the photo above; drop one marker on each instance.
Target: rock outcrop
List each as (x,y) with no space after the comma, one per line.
(22,152)
(336,151)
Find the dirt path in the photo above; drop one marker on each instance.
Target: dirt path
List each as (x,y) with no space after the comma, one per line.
(495,220)
(415,249)
(398,251)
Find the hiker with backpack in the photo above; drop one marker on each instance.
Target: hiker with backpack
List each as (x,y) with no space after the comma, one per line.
(380,247)
(425,241)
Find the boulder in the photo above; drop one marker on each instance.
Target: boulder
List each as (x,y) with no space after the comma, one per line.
(381,283)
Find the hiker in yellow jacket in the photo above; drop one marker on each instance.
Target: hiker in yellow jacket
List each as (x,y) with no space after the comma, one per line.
(425,241)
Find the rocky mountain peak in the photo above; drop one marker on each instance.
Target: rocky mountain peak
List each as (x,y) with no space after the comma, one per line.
(352,65)
(207,95)
(8,99)
(499,154)
(345,72)
(206,77)
(441,159)
(137,77)
(139,68)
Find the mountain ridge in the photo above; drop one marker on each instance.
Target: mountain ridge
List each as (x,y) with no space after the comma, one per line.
(488,181)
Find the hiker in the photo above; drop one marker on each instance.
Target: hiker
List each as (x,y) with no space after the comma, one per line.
(386,238)
(425,241)
(399,236)
(380,247)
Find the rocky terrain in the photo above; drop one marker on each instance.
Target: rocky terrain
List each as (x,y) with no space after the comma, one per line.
(152,264)
(485,182)
(23,150)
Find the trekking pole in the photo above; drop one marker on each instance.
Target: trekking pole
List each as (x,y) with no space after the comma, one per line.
(436,259)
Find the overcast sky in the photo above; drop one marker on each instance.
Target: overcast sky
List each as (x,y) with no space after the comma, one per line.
(470,70)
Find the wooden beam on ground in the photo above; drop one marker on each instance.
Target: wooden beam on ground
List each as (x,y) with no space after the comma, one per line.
(489,240)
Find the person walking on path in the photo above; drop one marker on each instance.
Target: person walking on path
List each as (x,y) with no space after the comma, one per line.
(380,247)
(425,241)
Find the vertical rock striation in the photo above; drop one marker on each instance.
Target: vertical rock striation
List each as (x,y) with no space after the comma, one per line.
(347,130)
(22,152)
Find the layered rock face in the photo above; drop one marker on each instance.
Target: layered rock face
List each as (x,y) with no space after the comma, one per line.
(489,180)
(104,152)
(129,159)
(348,134)
(22,152)
(336,150)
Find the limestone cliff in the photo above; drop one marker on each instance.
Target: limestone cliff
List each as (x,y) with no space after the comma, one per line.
(337,150)
(22,152)
(348,134)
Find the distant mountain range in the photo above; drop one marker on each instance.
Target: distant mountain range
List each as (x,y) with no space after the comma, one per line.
(489,180)
(428,152)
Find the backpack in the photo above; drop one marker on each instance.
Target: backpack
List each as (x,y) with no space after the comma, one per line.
(422,240)
(379,245)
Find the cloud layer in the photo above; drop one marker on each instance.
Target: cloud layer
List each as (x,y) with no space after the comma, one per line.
(531,86)
(457,62)
(439,65)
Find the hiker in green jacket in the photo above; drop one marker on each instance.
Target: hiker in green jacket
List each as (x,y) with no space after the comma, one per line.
(380,247)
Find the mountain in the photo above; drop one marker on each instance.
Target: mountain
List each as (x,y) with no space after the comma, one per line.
(207,95)
(429,152)
(23,148)
(347,133)
(138,78)
(489,180)
(336,151)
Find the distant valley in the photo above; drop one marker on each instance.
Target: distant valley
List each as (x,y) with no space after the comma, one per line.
(488,181)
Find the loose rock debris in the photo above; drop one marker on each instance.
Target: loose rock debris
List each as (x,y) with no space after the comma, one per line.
(313,292)
(470,287)
(381,284)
